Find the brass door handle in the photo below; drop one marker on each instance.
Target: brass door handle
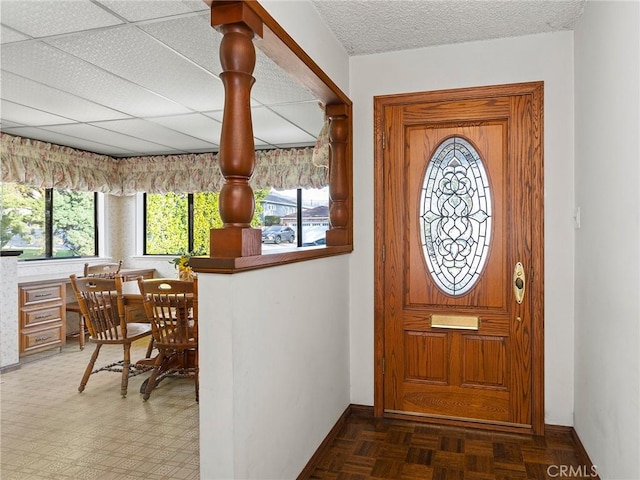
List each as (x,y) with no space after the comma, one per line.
(519,282)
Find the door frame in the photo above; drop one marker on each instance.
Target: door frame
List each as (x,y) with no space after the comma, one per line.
(535,285)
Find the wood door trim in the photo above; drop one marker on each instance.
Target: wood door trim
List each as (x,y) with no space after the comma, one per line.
(536,284)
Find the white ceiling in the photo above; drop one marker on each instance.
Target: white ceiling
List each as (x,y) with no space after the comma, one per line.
(376,26)
(141,77)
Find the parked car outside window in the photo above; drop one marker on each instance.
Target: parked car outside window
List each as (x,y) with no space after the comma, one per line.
(319,241)
(277,234)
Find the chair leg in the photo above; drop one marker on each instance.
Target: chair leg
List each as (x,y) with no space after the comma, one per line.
(151,382)
(81,331)
(150,348)
(89,369)
(126,366)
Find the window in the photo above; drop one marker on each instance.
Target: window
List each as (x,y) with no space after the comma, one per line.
(177,223)
(48,223)
(456,216)
(304,210)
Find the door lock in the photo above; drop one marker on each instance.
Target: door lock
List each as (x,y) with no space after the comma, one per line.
(519,282)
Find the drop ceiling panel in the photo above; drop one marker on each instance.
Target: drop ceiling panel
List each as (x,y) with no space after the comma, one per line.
(147,63)
(307,116)
(48,65)
(43,18)
(8,124)
(273,85)
(100,135)
(135,11)
(195,124)
(7,35)
(270,127)
(32,94)
(155,133)
(29,116)
(68,141)
(192,37)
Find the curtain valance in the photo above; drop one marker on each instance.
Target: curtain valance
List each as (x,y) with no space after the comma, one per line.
(45,165)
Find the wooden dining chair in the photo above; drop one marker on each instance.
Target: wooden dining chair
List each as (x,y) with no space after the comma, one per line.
(102,305)
(100,270)
(172,309)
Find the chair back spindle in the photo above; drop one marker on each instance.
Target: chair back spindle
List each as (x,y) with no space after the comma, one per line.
(102,270)
(98,299)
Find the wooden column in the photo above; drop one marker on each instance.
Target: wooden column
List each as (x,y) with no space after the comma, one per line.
(238,24)
(338,234)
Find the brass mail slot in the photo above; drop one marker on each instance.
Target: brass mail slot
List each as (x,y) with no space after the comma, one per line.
(462,322)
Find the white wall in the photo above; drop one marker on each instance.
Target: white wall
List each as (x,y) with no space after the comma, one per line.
(607,325)
(9,319)
(547,57)
(274,367)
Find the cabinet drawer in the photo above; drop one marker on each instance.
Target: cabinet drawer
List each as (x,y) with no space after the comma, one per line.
(35,340)
(41,315)
(43,293)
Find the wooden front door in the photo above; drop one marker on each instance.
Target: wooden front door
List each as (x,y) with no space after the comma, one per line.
(459,292)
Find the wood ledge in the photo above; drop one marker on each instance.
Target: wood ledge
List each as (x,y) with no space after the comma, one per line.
(242,264)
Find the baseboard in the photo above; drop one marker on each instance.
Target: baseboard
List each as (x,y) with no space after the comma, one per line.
(10,368)
(321,450)
(588,469)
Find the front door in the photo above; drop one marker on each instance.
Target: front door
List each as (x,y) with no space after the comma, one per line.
(459,293)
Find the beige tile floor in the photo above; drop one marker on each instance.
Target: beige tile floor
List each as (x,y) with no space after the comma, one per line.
(50,431)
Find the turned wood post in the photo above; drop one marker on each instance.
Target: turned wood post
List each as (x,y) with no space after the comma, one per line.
(338,234)
(238,25)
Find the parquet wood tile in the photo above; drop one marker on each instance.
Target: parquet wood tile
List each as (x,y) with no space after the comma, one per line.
(370,448)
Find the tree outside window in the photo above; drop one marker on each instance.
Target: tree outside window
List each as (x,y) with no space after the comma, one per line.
(48,223)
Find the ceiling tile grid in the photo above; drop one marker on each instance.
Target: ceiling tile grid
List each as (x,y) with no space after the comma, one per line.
(137,11)
(194,124)
(48,65)
(44,18)
(19,89)
(69,141)
(155,133)
(129,53)
(110,137)
(30,116)
(132,78)
(192,37)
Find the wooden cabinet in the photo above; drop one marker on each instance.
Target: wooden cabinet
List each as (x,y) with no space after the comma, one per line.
(42,308)
(42,316)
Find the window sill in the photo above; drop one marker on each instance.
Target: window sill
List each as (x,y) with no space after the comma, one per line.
(266,260)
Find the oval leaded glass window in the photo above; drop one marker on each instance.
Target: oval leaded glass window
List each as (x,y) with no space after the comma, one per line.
(455,216)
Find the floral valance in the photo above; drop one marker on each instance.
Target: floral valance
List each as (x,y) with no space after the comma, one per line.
(46,165)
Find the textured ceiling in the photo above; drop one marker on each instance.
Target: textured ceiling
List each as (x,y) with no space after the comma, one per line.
(141,77)
(376,26)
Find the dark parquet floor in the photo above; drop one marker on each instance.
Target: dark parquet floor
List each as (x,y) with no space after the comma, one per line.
(368,448)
